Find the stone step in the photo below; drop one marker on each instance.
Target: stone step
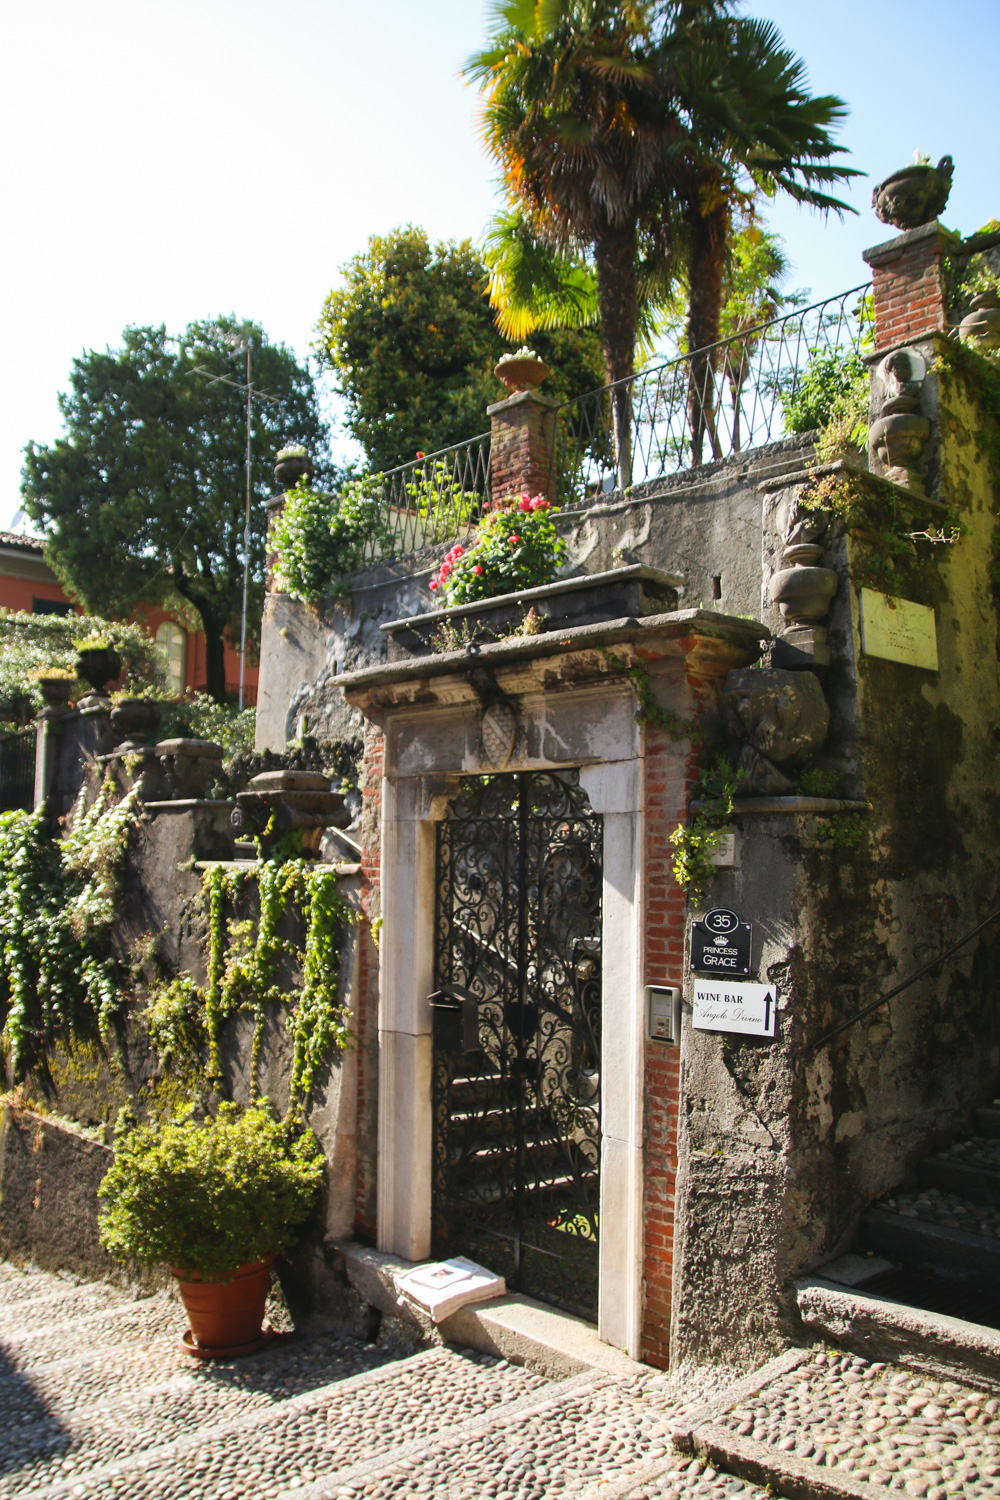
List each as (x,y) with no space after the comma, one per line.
(330,1429)
(930,1247)
(964,1179)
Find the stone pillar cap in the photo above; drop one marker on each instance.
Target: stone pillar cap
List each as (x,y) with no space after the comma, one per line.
(900,242)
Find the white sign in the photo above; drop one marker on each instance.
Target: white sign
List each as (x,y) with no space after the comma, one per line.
(725,1005)
(898,630)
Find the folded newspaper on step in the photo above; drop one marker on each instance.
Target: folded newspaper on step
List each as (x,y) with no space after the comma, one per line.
(443,1286)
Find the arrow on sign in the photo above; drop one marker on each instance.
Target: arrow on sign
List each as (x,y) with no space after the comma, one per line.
(768,1002)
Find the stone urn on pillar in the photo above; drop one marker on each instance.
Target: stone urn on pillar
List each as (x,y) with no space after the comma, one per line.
(97,665)
(913,195)
(523,371)
(292,464)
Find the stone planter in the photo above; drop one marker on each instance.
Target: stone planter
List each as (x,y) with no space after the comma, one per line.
(289,801)
(982,324)
(56,691)
(913,195)
(803,593)
(189,766)
(621,593)
(290,469)
(136,720)
(98,665)
(521,373)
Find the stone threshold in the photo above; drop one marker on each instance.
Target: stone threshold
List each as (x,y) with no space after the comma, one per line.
(516,1328)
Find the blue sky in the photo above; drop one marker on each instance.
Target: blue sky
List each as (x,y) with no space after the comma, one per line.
(167,160)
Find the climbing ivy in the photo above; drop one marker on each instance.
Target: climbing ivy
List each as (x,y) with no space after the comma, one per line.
(648,709)
(877,518)
(185,1019)
(57,904)
(695,841)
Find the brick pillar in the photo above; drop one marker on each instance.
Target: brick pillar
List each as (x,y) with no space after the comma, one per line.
(908,283)
(522,455)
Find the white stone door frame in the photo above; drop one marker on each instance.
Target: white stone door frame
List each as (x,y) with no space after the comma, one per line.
(426,748)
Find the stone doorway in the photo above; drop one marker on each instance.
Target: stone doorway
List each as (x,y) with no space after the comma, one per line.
(517,1133)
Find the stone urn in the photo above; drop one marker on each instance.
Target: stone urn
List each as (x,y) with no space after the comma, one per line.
(98,665)
(523,371)
(56,691)
(899,439)
(914,195)
(803,593)
(982,325)
(291,465)
(136,720)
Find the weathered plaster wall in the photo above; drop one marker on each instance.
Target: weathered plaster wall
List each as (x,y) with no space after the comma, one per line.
(704,525)
(782,1146)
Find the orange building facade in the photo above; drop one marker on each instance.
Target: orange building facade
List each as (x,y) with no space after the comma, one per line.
(28,584)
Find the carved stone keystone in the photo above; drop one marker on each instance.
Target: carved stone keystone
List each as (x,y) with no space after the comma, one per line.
(782,717)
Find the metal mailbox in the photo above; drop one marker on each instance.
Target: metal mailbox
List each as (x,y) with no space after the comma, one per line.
(455,1019)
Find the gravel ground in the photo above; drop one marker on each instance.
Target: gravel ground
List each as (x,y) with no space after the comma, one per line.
(931,1438)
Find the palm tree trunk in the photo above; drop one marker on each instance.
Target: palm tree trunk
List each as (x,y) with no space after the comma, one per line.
(707,238)
(615,257)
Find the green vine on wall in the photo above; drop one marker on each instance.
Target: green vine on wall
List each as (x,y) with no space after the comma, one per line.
(57,903)
(648,709)
(878,518)
(185,1019)
(696,841)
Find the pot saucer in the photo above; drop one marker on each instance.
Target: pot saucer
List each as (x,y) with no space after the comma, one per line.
(234,1351)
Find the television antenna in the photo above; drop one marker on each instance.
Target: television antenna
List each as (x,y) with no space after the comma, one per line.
(238,344)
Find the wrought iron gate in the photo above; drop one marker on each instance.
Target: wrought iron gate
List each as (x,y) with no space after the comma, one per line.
(517,1121)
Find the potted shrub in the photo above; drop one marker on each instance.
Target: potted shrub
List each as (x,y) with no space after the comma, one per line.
(516,546)
(55,685)
(97,662)
(216,1201)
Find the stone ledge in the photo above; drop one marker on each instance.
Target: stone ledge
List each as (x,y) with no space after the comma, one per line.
(880,1328)
(790,805)
(516,1328)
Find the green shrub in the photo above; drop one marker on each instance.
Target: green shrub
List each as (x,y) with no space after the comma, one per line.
(323,539)
(834,390)
(201,718)
(210,1196)
(516,547)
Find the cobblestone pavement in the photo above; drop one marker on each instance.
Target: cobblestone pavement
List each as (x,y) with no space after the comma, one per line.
(948,1209)
(98,1400)
(880,1424)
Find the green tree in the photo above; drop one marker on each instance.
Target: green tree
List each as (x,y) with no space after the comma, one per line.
(412,341)
(144,496)
(628,134)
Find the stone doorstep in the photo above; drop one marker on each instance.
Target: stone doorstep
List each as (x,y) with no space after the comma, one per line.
(793,1478)
(516,1328)
(881,1329)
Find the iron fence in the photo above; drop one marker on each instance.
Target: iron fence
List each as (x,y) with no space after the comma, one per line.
(17,771)
(434,498)
(710,404)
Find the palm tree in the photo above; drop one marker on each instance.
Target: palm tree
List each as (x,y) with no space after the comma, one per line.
(628,133)
(574,115)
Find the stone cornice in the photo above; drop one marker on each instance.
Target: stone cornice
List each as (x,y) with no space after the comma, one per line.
(560,659)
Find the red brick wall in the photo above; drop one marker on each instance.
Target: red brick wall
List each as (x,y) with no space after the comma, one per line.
(670,772)
(908,287)
(521,448)
(367,1013)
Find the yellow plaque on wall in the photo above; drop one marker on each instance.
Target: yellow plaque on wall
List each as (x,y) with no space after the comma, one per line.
(898,630)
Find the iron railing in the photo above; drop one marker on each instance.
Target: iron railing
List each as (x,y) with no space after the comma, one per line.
(434,498)
(17,771)
(712,404)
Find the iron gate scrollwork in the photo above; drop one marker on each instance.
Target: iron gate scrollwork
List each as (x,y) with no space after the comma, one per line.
(517,1122)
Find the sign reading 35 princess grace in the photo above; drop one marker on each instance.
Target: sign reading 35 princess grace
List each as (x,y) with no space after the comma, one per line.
(720,943)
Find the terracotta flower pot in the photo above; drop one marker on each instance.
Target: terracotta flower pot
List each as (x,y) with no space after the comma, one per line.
(520,374)
(226,1316)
